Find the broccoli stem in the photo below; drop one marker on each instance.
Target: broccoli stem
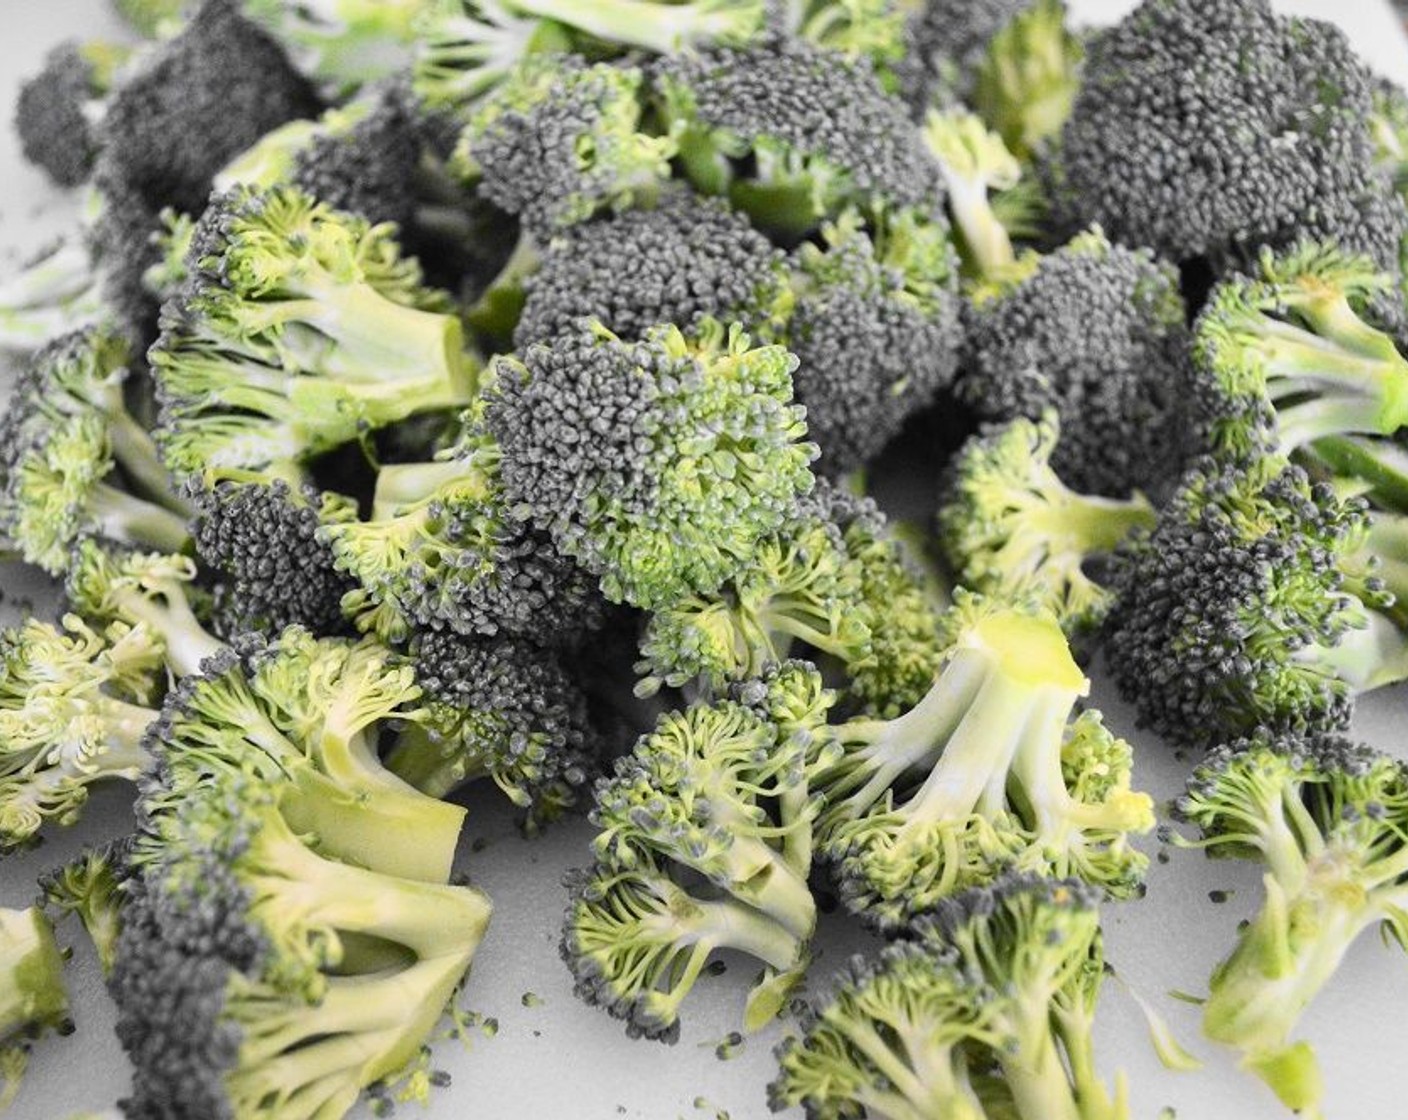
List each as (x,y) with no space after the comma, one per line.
(1382,464)
(735,925)
(32,994)
(1039,1084)
(436,767)
(660,26)
(1370,657)
(166,611)
(919,1089)
(122,517)
(136,453)
(56,294)
(399,485)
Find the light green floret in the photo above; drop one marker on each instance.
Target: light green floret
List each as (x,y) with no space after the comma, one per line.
(1010,528)
(33,999)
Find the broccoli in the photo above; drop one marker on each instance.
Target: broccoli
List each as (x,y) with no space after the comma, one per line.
(704,844)
(299,328)
(501,708)
(311,711)
(1328,819)
(1288,361)
(793,134)
(1255,602)
(987,1012)
(1277,145)
(256,971)
(258,532)
(55,291)
(33,999)
(56,109)
(443,549)
(684,260)
(989,769)
(152,18)
(90,886)
(68,441)
(1389,124)
(657,465)
(1009,527)
(875,30)
(75,704)
(1096,332)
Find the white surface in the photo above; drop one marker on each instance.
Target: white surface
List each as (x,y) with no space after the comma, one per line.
(560,1060)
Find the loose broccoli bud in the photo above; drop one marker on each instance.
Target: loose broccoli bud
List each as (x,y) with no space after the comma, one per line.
(1287,357)
(1096,332)
(875,328)
(259,532)
(560,140)
(443,549)
(311,710)
(503,709)
(714,794)
(1327,817)
(57,107)
(793,134)
(152,590)
(300,328)
(33,999)
(975,163)
(1218,177)
(987,770)
(257,973)
(90,886)
(1254,602)
(218,85)
(1010,528)
(74,706)
(151,18)
(658,465)
(988,1012)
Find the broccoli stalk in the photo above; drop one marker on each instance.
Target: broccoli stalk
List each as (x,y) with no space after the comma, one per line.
(342,44)
(55,293)
(1327,818)
(32,994)
(974,163)
(659,26)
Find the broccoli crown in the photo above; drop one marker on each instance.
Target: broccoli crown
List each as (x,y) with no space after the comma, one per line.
(658,464)
(986,1012)
(342,45)
(259,533)
(1096,332)
(1326,816)
(442,550)
(1286,357)
(682,261)
(90,885)
(299,328)
(56,108)
(793,133)
(562,139)
(33,999)
(501,708)
(310,711)
(704,844)
(987,770)
(74,705)
(1277,139)
(1010,528)
(256,972)
(1249,604)
(876,331)
(219,85)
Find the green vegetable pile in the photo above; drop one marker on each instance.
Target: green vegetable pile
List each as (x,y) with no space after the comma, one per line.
(441,392)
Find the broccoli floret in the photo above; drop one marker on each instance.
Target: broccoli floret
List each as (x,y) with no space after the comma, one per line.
(989,769)
(1096,332)
(1276,145)
(195,102)
(258,531)
(90,886)
(1287,361)
(258,973)
(875,328)
(684,260)
(74,706)
(444,549)
(705,844)
(299,328)
(1010,528)
(69,440)
(560,140)
(987,1013)
(657,465)
(1327,817)
(33,999)
(1254,602)
(502,708)
(56,291)
(57,108)
(793,134)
